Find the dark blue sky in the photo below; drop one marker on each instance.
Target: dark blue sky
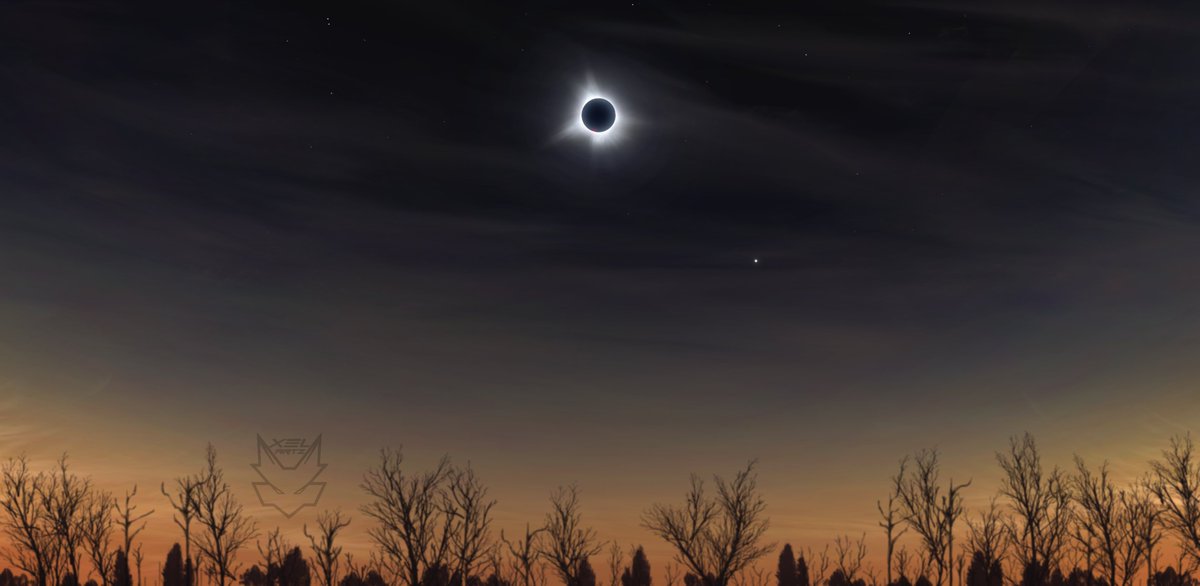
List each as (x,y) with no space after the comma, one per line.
(970,219)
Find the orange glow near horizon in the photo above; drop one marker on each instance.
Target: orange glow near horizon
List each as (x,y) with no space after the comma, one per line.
(813,494)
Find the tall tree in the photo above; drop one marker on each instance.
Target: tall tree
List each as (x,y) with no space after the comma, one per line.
(470,511)
(1108,519)
(1039,499)
(525,554)
(568,542)
(785,570)
(987,534)
(183,500)
(226,529)
(850,554)
(1176,484)
(66,497)
(616,557)
(272,553)
(715,537)
(326,551)
(638,572)
(889,520)
(173,571)
(1146,514)
(132,522)
(120,571)
(412,529)
(97,533)
(25,520)
(929,512)
(802,571)
(137,560)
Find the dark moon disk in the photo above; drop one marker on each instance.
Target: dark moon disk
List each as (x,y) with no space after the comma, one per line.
(599,115)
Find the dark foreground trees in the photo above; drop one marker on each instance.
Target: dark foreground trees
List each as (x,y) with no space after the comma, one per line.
(568,543)
(225,527)
(1085,526)
(326,549)
(428,524)
(60,529)
(1040,501)
(638,571)
(411,530)
(786,573)
(715,536)
(173,573)
(930,509)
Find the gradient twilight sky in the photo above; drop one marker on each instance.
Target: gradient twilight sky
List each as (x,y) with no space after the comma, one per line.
(364,219)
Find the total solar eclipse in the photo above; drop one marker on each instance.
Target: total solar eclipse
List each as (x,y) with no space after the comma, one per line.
(598,115)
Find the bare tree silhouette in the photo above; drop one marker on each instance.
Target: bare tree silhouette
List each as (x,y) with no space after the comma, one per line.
(470,511)
(500,575)
(1087,530)
(930,513)
(66,497)
(412,529)
(889,520)
(25,521)
(526,555)
(849,555)
(97,533)
(225,527)
(272,553)
(1147,515)
(183,502)
(670,574)
(903,560)
(753,576)
(715,538)
(1039,500)
(1108,520)
(326,551)
(568,543)
(818,566)
(132,523)
(616,557)
(137,559)
(987,534)
(1176,484)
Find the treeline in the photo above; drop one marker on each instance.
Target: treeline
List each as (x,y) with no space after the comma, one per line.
(1046,526)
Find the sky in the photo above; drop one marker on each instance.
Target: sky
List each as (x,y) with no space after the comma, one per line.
(821,234)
